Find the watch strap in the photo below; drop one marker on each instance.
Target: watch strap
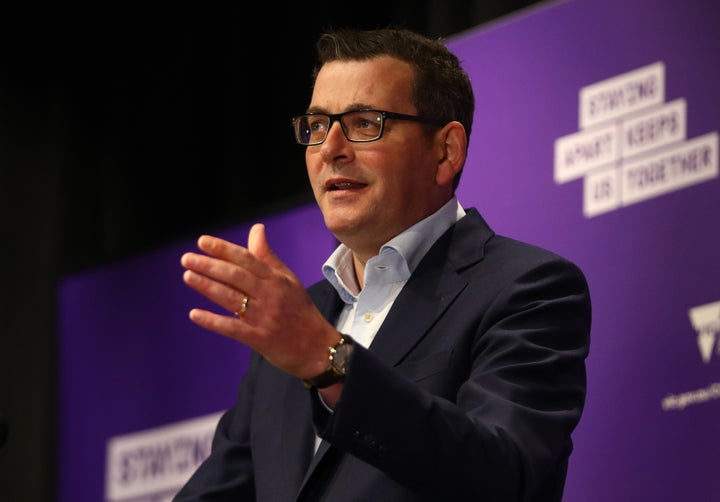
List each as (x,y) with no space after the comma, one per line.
(331,375)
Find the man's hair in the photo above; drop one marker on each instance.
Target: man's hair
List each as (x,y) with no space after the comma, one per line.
(441,90)
(441,87)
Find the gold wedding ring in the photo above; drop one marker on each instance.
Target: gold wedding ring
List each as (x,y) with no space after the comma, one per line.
(243,307)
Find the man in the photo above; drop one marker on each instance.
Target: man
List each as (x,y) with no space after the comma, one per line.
(438,361)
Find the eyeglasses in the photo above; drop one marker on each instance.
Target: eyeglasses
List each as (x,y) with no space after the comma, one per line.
(359,126)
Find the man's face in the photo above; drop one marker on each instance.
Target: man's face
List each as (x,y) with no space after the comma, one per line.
(370,192)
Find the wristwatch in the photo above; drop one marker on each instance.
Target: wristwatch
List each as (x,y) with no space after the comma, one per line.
(339,356)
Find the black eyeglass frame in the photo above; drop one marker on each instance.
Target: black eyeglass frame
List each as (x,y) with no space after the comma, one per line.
(337,117)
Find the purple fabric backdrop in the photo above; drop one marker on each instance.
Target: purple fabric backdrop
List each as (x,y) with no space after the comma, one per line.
(647,263)
(130,359)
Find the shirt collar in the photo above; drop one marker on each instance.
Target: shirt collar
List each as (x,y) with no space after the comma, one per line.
(411,245)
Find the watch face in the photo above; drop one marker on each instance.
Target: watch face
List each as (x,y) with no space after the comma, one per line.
(341,358)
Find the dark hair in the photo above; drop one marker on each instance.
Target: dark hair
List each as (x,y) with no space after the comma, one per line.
(441,88)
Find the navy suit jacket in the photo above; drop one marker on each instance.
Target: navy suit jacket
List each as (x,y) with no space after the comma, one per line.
(470,391)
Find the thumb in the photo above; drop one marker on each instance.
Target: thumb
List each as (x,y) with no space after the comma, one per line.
(258,245)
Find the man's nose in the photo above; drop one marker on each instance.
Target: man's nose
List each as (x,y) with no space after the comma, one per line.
(336,132)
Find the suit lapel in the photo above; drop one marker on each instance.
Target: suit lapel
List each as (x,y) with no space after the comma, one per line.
(297,433)
(436,282)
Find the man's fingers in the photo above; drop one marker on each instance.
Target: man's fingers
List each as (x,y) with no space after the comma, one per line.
(258,246)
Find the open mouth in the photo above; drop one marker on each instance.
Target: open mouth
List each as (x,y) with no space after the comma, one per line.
(343,185)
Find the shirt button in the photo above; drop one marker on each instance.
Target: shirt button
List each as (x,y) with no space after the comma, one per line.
(367,317)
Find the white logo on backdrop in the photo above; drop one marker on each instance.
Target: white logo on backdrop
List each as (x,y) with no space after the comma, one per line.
(705,320)
(153,464)
(632,146)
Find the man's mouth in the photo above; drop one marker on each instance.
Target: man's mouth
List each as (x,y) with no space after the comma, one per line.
(343,185)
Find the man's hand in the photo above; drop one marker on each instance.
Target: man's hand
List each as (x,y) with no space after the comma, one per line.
(279,321)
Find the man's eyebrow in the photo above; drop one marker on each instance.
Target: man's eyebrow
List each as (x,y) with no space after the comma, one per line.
(350,108)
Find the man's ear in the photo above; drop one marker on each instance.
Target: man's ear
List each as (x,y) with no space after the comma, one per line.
(452,142)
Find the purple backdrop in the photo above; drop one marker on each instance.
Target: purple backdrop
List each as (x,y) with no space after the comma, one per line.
(647,263)
(130,359)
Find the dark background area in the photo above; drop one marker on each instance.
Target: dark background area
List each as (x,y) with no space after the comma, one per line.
(125,129)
